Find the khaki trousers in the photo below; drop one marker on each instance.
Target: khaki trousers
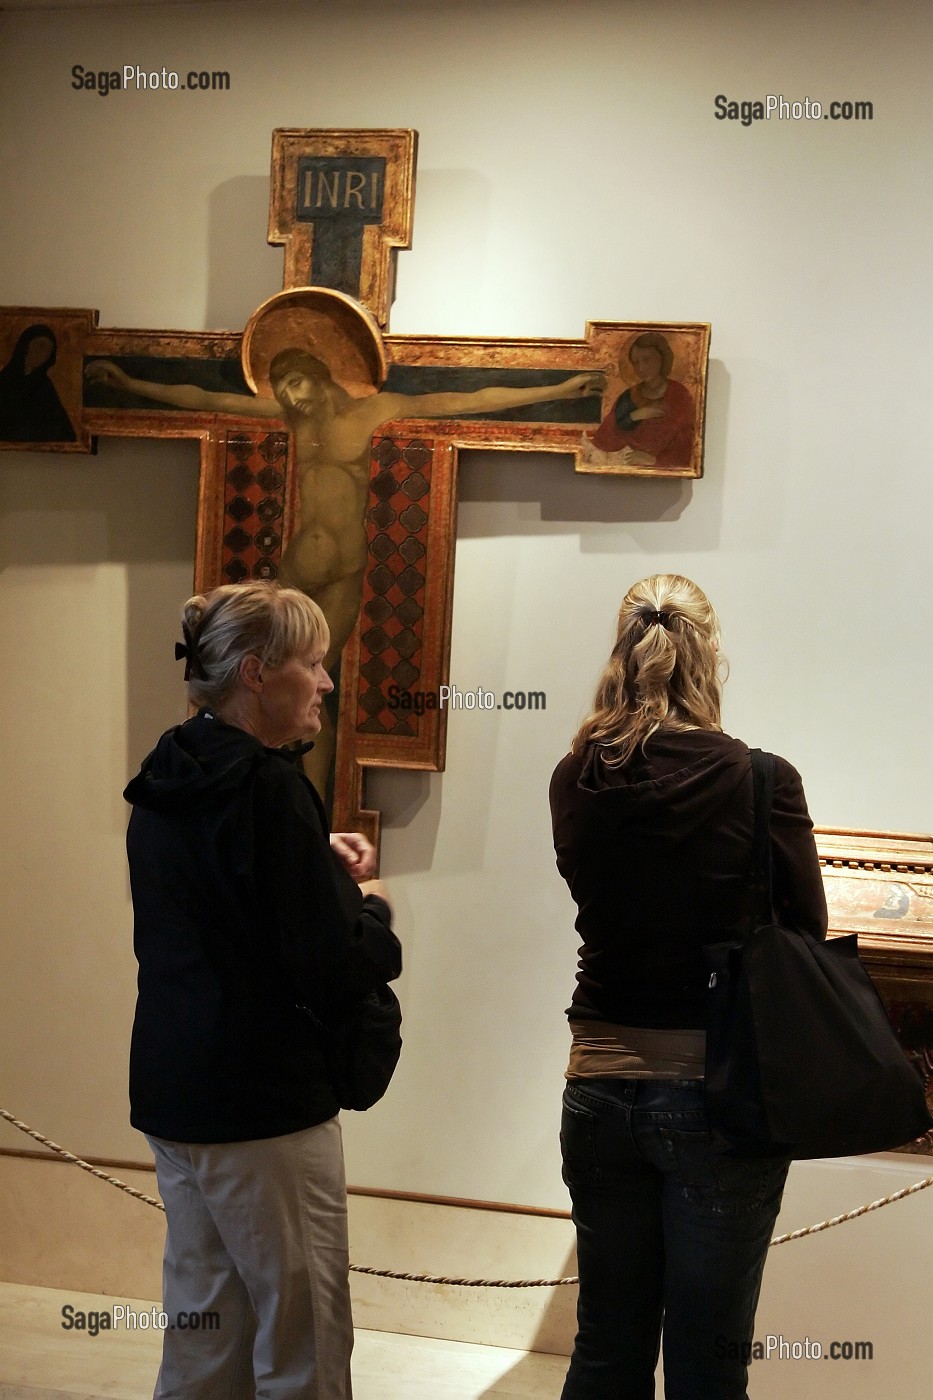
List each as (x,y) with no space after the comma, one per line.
(257,1234)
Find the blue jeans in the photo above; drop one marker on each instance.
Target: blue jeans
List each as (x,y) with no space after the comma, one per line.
(667,1231)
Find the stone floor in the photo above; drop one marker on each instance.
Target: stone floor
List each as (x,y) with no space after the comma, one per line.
(40,1360)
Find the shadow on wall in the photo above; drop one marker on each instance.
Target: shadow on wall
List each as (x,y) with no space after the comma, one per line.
(565,499)
(243,271)
(134,504)
(562,501)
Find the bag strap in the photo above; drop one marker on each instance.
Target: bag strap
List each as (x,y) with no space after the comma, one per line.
(763,789)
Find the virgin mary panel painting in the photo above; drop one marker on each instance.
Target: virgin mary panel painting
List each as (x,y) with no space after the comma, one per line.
(40,379)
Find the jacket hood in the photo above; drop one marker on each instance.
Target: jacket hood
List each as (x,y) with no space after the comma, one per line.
(194,764)
(676,785)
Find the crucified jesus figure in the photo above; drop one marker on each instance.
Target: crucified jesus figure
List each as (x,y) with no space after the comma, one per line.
(332,431)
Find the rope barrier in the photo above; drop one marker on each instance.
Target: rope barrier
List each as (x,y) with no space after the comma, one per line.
(466,1282)
(79,1162)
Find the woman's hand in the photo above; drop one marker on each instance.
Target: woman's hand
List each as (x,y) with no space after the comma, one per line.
(355,853)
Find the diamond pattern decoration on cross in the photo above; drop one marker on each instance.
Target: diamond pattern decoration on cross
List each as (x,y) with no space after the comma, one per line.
(254,497)
(392,639)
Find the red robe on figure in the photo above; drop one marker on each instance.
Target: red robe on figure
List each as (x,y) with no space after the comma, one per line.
(668,439)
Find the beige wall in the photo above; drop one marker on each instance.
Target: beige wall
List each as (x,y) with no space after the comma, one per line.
(570,167)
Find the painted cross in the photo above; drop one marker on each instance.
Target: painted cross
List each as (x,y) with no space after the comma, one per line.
(329,447)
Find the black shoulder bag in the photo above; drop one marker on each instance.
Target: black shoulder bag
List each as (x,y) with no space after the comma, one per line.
(801,1059)
(362,1048)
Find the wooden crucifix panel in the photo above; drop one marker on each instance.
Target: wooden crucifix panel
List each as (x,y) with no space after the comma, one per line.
(329,447)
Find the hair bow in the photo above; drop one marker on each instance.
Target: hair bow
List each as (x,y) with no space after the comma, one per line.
(188,652)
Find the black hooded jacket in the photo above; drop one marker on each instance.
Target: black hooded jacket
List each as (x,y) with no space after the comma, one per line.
(657,856)
(242,913)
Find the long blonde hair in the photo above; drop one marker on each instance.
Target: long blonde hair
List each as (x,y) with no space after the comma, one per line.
(663,672)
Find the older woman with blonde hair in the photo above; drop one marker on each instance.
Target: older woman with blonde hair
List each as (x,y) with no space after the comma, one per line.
(653,817)
(245,911)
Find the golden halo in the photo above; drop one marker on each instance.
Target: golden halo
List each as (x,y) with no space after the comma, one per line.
(330,325)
